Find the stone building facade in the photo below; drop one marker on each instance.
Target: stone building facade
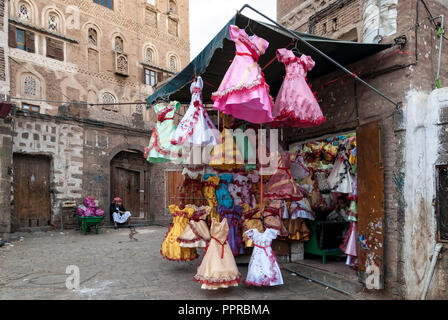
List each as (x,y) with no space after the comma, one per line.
(412,136)
(72,67)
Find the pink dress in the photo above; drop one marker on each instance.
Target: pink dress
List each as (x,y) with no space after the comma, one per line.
(296,105)
(243,92)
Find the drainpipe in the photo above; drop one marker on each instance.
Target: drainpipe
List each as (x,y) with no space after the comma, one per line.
(437,249)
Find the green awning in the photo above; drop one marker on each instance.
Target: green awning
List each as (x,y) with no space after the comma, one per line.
(213,62)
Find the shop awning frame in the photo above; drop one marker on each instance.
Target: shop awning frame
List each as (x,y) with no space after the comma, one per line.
(213,61)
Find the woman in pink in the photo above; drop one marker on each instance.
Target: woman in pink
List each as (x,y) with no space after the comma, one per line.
(296,105)
(243,92)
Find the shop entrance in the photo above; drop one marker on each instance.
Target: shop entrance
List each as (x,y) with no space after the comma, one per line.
(32,203)
(130,182)
(347,200)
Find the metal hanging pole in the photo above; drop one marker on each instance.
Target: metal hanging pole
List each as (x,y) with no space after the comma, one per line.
(322,54)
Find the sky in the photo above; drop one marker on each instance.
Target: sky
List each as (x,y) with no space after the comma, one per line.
(208,17)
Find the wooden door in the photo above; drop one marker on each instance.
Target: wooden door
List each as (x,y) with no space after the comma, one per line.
(173,180)
(32,202)
(370,205)
(126,185)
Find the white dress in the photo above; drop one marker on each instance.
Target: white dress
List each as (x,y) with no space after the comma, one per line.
(341,177)
(196,127)
(264,269)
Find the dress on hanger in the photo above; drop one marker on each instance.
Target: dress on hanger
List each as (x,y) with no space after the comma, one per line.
(272,218)
(243,92)
(264,269)
(209,191)
(171,249)
(222,191)
(160,148)
(251,220)
(234,218)
(350,243)
(296,105)
(341,177)
(218,268)
(196,127)
(197,233)
(282,185)
(193,186)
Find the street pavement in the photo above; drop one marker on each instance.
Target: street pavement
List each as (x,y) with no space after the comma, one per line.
(115,267)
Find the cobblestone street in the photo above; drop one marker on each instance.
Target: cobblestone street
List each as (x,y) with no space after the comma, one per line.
(113,266)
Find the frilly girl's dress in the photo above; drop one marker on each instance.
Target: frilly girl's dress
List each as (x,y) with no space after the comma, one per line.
(209,191)
(243,92)
(197,233)
(264,269)
(251,220)
(341,177)
(193,186)
(222,191)
(296,105)
(171,248)
(234,218)
(196,127)
(282,185)
(218,268)
(160,148)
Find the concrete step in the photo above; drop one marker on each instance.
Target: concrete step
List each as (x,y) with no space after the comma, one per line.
(336,280)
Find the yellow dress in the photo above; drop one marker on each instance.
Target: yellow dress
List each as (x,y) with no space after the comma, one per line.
(252,220)
(211,181)
(218,268)
(171,249)
(226,155)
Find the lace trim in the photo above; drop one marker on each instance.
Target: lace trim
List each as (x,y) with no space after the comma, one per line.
(260,81)
(155,145)
(216,281)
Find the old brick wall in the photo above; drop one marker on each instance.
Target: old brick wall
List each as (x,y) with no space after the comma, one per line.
(5,178)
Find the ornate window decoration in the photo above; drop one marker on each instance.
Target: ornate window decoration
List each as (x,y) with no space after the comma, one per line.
(92,37)
(53,22)
(23,12)
(119,44)
(172,7)
(122,64)
(173,63)
(149,55)
(30,86)
(109,99)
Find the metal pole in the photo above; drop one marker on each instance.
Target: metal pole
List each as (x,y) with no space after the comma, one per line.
(323,55)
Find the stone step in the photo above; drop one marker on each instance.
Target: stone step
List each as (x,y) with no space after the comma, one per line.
(336,280)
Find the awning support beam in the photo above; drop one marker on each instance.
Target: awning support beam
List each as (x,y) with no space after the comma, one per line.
(397,105)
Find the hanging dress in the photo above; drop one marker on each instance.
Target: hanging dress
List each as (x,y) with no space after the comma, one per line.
(209,191)
(243,92)
(160,148)
(234,217)
(251,220)
(171,249)
(222,191)
(196,127)
(282,185)
(197,233)
(272,218)
(296,105)
(341,177)
(264,269)
(193,187)
(350,243)
(218,268)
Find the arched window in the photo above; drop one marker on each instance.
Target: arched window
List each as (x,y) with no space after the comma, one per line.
(119,44)
(53,22)
(173,63)
(24,12)
(149,56)
(109,98)
(92,37)
(172,7)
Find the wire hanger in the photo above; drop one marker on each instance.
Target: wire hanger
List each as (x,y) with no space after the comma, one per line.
(296,50)
(248,26)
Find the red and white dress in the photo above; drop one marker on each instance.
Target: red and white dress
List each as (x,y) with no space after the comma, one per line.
(196,127)
(264,269)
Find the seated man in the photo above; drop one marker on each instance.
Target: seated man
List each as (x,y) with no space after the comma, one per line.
(119,213)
